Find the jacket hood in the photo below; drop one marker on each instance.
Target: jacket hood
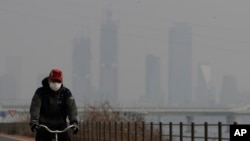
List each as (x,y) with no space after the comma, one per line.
(45,82)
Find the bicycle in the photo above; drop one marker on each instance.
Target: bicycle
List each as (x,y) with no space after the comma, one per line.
(56,132)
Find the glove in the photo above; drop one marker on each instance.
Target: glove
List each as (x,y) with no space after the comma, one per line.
(75,128)
(34,127)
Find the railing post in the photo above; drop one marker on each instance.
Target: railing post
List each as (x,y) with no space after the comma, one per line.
(128,131)
(88,124)
(109,130)
(219,131)
(115,130)
(99,129)
(143,130)
(97,132)
(205,131)
(170,131)
(181,131)
(121,130)
(192,131)
(104,129)
(92,131)
(160,131)
(190,119)
(135,131)
(151,131)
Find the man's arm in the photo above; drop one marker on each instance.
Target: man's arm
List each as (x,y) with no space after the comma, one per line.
(35,108)
(71,108)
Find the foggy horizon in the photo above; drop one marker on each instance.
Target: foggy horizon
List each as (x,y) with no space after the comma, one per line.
(41,35)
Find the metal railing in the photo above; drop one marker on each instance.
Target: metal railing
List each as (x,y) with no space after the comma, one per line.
(134,131)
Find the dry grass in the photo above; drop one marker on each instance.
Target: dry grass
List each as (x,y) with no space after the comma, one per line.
(100,122)
(104,113)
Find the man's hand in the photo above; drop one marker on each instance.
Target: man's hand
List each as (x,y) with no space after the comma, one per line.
(34,127)
(75,128)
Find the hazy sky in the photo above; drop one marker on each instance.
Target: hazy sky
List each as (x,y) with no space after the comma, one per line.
(41,33)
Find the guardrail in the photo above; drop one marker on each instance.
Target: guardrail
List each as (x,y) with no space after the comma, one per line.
(136,131)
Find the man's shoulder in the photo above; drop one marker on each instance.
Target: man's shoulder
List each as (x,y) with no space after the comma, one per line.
(67,91)
(39,90)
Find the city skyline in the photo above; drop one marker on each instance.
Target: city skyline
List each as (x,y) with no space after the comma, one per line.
(202,95)
(47,32)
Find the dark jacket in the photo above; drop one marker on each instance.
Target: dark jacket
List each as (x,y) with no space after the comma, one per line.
(53,108)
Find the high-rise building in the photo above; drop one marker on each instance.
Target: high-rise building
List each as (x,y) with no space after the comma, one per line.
(229,91)
(153,80)
(108,60)
(204,94)
(180,65)
(82,88)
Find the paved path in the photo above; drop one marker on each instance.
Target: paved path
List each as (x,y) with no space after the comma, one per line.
(14,138)
(7,139)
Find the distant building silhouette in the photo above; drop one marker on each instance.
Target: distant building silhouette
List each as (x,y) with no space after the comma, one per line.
(82,88)
(180,65)
(108,60)
(204,92)
(229,91)
(153,81)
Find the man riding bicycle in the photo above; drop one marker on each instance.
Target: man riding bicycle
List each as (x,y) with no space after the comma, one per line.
(51,105)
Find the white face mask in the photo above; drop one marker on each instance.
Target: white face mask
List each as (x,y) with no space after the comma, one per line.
(55,86)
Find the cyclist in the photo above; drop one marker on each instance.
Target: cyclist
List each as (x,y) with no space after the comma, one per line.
(51,105)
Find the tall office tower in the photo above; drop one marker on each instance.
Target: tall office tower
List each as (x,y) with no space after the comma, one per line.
(229,91)
(10,82)
(204,95)
(153,80)
(109,60)
(82,70)
(180,65)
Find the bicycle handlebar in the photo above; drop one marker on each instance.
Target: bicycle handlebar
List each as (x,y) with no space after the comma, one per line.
(56,131)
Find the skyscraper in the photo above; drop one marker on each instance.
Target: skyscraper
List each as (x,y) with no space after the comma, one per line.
(204,94)
(108,60)
(180,65)
(229,91)
(153,80)
(82,69)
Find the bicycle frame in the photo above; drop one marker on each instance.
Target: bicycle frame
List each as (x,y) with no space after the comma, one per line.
(56,131)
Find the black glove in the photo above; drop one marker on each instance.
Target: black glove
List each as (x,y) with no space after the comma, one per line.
(34,127)
(75,128)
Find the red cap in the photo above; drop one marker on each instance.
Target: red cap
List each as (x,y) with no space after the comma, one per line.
(56,74)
